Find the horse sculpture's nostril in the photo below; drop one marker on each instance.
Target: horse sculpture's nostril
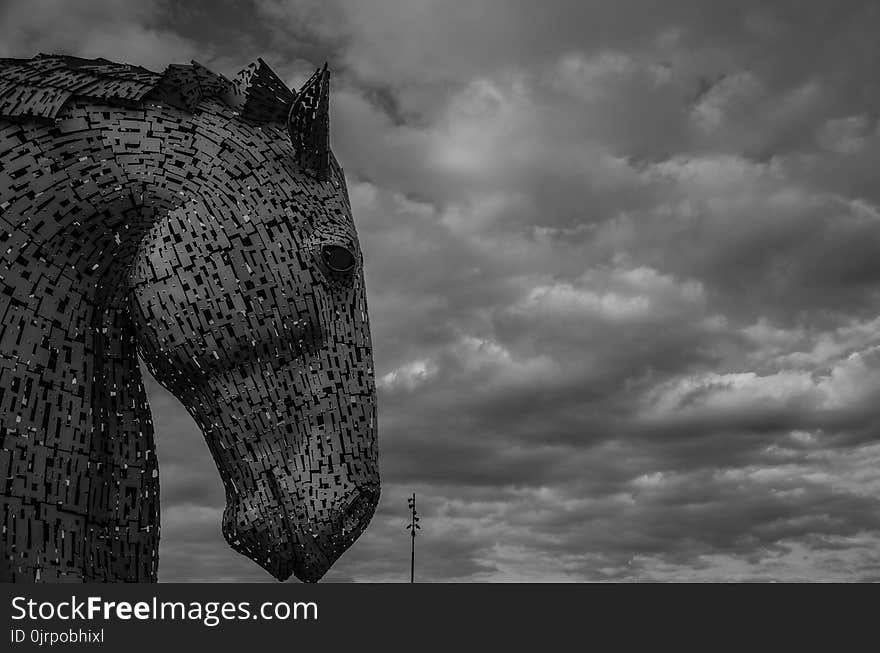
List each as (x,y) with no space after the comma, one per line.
(359,511)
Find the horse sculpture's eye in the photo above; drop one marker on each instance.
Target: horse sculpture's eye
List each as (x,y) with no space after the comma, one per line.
(338,258)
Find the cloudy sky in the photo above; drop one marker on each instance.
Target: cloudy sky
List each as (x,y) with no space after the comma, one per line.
(623,267)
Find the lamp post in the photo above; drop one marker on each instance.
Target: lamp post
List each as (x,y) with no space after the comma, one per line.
(412,527)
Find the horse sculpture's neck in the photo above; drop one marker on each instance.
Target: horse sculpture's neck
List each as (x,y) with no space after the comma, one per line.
(75,419)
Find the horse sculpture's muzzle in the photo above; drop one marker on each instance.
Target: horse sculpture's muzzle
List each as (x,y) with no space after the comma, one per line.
(283,541)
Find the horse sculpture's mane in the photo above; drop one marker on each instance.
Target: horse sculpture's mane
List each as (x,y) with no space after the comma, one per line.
(204,225)
(39,88)
(42,86)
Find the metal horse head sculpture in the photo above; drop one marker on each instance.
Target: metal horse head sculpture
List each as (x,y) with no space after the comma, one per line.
(204,225)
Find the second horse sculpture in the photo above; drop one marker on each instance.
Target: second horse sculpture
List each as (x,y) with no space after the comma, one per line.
(204,225)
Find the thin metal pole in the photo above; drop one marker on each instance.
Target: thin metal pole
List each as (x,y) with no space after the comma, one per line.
(412,560)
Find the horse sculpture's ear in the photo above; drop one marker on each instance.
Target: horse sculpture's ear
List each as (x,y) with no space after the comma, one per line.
(259,94)
(308,124)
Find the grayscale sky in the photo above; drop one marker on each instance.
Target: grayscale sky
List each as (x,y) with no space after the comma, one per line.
(623,267)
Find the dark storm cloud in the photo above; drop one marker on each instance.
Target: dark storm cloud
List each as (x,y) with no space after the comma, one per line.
(622,271)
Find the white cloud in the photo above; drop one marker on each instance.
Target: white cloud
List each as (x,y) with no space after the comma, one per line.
(845,135)
(711,392)
(620,295)
(408,376)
